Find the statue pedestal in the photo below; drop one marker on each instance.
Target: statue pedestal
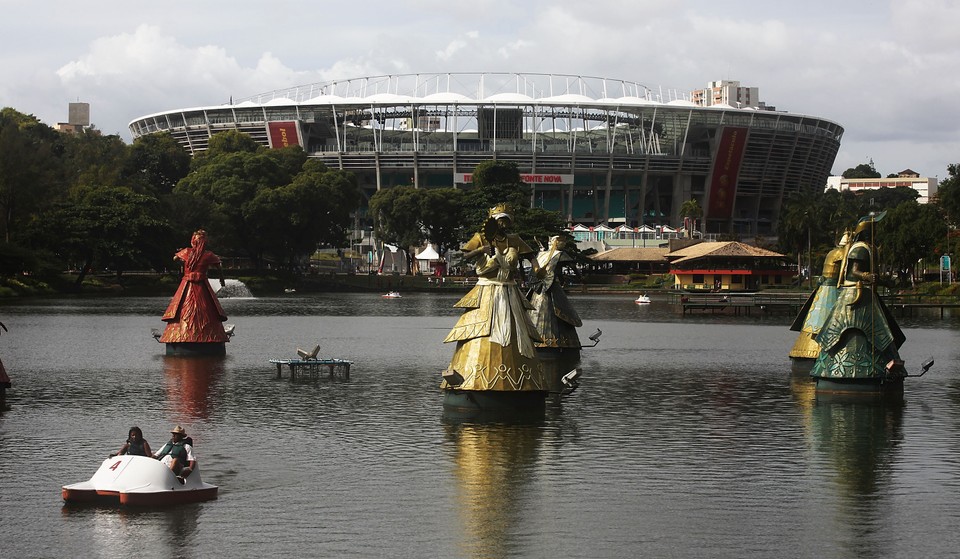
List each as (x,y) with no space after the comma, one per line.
(190,349)
(464,404)
(860,387)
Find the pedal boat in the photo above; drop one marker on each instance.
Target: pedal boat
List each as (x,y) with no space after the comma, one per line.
(392,295)
(139,481)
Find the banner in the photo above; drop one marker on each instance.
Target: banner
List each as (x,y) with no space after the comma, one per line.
(726,167)
(529,178)
(283,134)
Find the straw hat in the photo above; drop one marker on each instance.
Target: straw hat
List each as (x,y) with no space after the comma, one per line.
(178,430)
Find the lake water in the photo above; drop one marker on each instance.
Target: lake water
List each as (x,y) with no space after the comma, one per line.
(688,437)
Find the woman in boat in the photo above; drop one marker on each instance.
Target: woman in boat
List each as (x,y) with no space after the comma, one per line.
(495,337)
(194,313)
(135,445)
(552,315)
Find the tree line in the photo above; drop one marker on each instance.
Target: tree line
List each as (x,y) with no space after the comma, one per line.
(88,201)
(910,233)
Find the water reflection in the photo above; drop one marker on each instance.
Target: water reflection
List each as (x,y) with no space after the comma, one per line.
(122,531)
(189,382)
(493,463)
(860,438)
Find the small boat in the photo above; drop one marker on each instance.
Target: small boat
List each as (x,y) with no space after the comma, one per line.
(643,299)
(289,290)
(139,481)
(392,295)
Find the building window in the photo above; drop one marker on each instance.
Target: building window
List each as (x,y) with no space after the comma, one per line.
(697,278)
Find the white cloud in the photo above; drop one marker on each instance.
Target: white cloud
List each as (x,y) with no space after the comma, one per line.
(886,72)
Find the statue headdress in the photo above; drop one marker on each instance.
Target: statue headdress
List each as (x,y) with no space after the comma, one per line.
(501,210)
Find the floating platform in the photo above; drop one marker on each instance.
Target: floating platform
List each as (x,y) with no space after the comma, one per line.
(312,369)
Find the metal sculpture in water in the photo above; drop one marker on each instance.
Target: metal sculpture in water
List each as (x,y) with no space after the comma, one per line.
(860,339)
(552,314)
(495,364)
(814,312)
(194,317)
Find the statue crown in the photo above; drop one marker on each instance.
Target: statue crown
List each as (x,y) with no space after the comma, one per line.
(501,210)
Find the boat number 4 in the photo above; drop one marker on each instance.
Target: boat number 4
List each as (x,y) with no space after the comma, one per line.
(115,465)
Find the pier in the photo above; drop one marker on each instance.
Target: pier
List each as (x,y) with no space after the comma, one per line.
(740,303)
(312,369)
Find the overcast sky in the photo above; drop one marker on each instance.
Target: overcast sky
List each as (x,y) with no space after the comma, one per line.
(888,72)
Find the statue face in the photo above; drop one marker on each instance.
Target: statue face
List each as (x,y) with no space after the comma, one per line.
(504,223)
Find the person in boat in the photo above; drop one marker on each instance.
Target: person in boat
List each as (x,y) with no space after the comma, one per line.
(552,314)
(135,445)
(178,453)
(194,313)
(495,337)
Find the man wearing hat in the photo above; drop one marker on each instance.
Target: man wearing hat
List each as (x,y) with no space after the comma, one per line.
(178,453)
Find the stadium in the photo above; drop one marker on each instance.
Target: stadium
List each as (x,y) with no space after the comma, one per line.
(601,151)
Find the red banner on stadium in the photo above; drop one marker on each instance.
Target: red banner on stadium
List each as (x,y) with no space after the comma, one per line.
(283,134)
(726,167)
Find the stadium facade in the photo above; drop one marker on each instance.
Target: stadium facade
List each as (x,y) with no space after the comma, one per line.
(599,150)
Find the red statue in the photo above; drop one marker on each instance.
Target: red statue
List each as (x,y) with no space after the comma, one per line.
(194,315)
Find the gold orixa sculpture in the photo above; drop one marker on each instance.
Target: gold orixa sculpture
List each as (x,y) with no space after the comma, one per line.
(496,341)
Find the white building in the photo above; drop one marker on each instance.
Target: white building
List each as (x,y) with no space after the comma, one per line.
(727,92)
(926,186)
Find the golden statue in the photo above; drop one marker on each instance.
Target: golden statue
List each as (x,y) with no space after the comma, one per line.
(495,338)
(814,312)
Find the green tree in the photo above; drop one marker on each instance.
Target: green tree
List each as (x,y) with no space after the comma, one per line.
(948,195)
(496,182)
(31,170)
(106,227)
(291,221)
(155,163)
(862,171)
(398,220)
(691,208)
(441,216)
(908,233)
(230,179)
(92,159)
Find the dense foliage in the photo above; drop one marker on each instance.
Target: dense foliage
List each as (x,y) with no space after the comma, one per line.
(910,234)
(88,201)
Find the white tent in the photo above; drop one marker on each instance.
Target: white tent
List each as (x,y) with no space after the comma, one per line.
(427,259)
(428,254)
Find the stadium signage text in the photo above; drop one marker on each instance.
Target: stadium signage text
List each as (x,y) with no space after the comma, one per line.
(529,178)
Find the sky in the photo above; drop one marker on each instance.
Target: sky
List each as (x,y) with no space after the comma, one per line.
(888,72)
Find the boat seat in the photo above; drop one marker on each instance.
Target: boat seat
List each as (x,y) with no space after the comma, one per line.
(308,355)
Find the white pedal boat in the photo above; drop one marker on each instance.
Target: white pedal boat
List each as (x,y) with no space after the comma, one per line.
(139,481)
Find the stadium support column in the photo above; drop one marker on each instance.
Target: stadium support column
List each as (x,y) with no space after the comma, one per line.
(376,161)
(682,191)
(607,190)
(416,170)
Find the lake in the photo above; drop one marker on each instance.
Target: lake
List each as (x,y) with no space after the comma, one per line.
(689,436)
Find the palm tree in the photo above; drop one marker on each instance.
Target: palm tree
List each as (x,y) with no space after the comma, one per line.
(691,208)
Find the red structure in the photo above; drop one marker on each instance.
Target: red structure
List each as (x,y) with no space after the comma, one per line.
(194,317)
